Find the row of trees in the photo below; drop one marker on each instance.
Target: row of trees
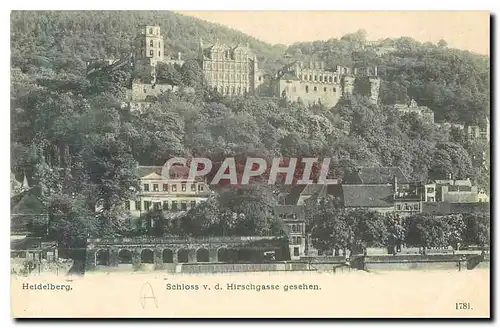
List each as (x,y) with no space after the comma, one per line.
(334,228)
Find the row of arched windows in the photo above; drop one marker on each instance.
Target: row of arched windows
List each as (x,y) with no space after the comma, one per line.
(152,44)
(233,90)
(320,78)
(315,89)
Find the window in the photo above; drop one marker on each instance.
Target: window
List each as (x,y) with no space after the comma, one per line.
(335,79)
(147,205)
(193,187)
(193,203)
(315,77)
(295,251)
(310,77)
(227,90)
(174,205)
(146,187)
(415,207)
(165,205)
(200,187)
(155,187)
(239,90)
(137,205)
(150,31)
(330,79)
(174,188)
(334,89)
(151,52)
(398,207)
(151,43)
(260,78)
(430,190)
(184,206)
(324,89)
(315,89)
(307,88)
(299,240)
(165,187)
(183,187)
(321,78)
(156,206)
(232,90)
(159,54)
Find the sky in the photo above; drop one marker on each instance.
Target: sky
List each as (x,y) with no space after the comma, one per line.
(468,30)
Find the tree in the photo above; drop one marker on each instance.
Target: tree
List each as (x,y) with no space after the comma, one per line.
(478,227)
(358,36)
(369,228)
(328,226)
(457,230)
(442,43)
(170,74)
(192,75)
(427,230)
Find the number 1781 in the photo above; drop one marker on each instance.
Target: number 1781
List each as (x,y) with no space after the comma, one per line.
(462,306)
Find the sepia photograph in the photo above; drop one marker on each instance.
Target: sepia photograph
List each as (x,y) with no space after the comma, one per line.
(311,164)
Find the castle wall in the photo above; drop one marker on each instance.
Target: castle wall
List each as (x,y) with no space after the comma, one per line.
(140,91)
(309,92)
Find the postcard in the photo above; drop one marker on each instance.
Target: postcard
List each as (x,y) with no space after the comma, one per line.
(306,164)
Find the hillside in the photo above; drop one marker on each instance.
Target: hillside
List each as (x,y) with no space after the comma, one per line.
(65,40)
(454,83)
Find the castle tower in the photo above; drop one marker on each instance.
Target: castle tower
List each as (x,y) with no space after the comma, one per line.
(150,44)
(348,84)
(149,49)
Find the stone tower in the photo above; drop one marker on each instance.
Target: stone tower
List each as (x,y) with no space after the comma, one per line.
(348,84)
(149,49)
(150,44)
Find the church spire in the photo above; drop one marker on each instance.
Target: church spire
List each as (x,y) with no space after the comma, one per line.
(25,184)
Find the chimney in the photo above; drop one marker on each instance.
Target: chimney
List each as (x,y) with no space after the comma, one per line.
(376,69)
(449,176)
(179,55)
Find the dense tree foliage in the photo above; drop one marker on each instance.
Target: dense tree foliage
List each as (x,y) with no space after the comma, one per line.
(76,143)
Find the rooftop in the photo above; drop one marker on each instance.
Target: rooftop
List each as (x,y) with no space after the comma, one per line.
(368,196)
(376,175)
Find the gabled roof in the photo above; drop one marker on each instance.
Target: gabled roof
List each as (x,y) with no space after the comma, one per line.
(155,173)
(376,175)
(368,195)
(143,171)
(289,77)
(289,209)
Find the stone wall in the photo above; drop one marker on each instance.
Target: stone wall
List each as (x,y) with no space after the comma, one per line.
(308,92)
(140,91)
